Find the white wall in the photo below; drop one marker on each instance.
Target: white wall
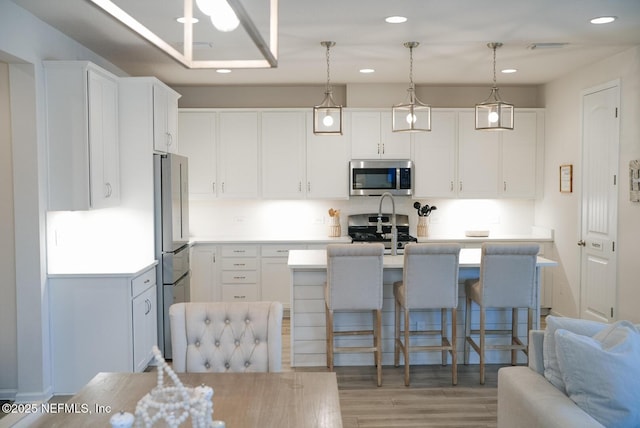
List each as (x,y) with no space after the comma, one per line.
(24,42)
(561,212)
(8,354)
(295,219)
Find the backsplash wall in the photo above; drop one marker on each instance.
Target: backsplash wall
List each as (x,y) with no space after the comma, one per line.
(278,219)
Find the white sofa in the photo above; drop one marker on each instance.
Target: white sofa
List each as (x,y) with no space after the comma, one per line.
(527,399)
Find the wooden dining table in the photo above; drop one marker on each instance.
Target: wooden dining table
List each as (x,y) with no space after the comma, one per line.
(241,400)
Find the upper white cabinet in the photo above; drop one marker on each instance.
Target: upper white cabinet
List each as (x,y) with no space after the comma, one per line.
(434,157)
(165,118)
(478,159)
(238,150)
(197,135)
(455,160)
(327,163)
(82,136)
(283,154)
(372,137)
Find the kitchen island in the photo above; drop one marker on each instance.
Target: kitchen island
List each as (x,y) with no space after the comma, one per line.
(308,275)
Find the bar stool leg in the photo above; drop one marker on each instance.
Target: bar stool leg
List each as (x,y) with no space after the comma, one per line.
(482,340)
(406,347)
(396,348)
(443,334)
(378,344)
(467,330)
(514,335)
(453,343)
(329,320)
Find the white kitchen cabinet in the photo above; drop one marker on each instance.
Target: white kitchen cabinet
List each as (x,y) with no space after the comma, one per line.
(435,157)
(165,118)
(519,155)
(100,323)
(145,326)
(372,137)
(275,278)
(238,151)
(327,163)
(197,135)
(82,136)
(204,274)
(283,154)
(239,273)
(479,159)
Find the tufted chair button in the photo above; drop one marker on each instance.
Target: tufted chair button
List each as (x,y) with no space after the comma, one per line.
(257,341)
(247,364)
(227,321)
(237,342)
(248,321)
(207,321)
(217,343)
(197,343)
(207,365)
(227,365)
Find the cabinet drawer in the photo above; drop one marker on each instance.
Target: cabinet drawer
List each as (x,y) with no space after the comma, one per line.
(240,293)
(240,277)
(236,263)
(142,282)
(279,250)
(240,251)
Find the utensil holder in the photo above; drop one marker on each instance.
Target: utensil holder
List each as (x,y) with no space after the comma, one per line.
(423,227)
(334,227)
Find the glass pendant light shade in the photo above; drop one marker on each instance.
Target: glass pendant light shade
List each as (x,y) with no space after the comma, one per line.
(327,116)
(412,115)
(493,113)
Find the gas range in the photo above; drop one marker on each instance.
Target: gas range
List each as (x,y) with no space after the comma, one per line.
(362,229)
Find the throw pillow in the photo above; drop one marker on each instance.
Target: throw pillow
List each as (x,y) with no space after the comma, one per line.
(601,373)
(550,359)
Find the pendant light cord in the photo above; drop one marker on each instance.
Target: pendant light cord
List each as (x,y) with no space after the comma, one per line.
(412,86)
(495,85)
(328,69)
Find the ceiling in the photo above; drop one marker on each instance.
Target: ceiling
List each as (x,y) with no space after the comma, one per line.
(453,37)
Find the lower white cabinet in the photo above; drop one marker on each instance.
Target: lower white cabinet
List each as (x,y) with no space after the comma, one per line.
(204,273)
(275,280)
(100,323)
(239,273)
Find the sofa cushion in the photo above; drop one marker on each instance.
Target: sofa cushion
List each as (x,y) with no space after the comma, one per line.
(577,326)
(600,373)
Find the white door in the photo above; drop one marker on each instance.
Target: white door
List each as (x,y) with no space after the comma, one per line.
(600,147)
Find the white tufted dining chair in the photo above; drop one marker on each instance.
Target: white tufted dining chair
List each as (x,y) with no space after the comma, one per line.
(429,281)
(226,336)
(354,283)
(507,281)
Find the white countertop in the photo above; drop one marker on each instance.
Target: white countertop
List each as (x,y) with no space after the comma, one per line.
(102,269)
(269,240)
(317,259)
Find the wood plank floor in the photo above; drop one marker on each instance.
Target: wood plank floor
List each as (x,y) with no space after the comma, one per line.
(430,401)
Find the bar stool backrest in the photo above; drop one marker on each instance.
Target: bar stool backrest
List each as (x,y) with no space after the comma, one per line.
(354,276)
(508,275)
(430,275)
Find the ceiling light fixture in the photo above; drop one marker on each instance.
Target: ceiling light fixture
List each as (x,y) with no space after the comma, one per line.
(184,20)
(493,113)
(269,51)
(327,116)
(396,19)
(222,16)
(603,20)
(509,71)
(367,70)
(413,115)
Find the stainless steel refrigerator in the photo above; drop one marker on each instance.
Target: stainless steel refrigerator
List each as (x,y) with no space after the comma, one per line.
(172,239)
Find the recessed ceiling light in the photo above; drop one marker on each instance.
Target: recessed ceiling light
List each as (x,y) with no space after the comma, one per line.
(395,19)
(509,70)
(603,19)
(223,71)
(367,70)
(183,20)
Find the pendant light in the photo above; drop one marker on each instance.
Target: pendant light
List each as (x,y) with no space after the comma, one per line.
(327,116)
(413,115)
(493,113)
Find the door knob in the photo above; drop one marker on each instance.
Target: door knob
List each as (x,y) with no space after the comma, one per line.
(581,243)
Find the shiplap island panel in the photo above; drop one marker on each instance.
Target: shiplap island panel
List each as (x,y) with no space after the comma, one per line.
(308,347)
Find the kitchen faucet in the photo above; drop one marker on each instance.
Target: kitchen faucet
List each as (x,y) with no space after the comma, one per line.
(394,230)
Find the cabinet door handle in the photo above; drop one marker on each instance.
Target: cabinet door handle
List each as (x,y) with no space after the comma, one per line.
(299,186)
(223,187)
(239,264)
(382,148)
(239,277)
(504,186)
(169,139)
(378,148)
(308,186)
(451,186)
(147,303)
(460,189)
(108,190)
(213,187)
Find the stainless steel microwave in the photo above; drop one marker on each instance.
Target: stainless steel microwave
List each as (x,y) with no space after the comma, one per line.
(373,177)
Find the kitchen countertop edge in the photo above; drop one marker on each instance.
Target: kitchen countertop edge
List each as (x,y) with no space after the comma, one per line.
(125,272)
